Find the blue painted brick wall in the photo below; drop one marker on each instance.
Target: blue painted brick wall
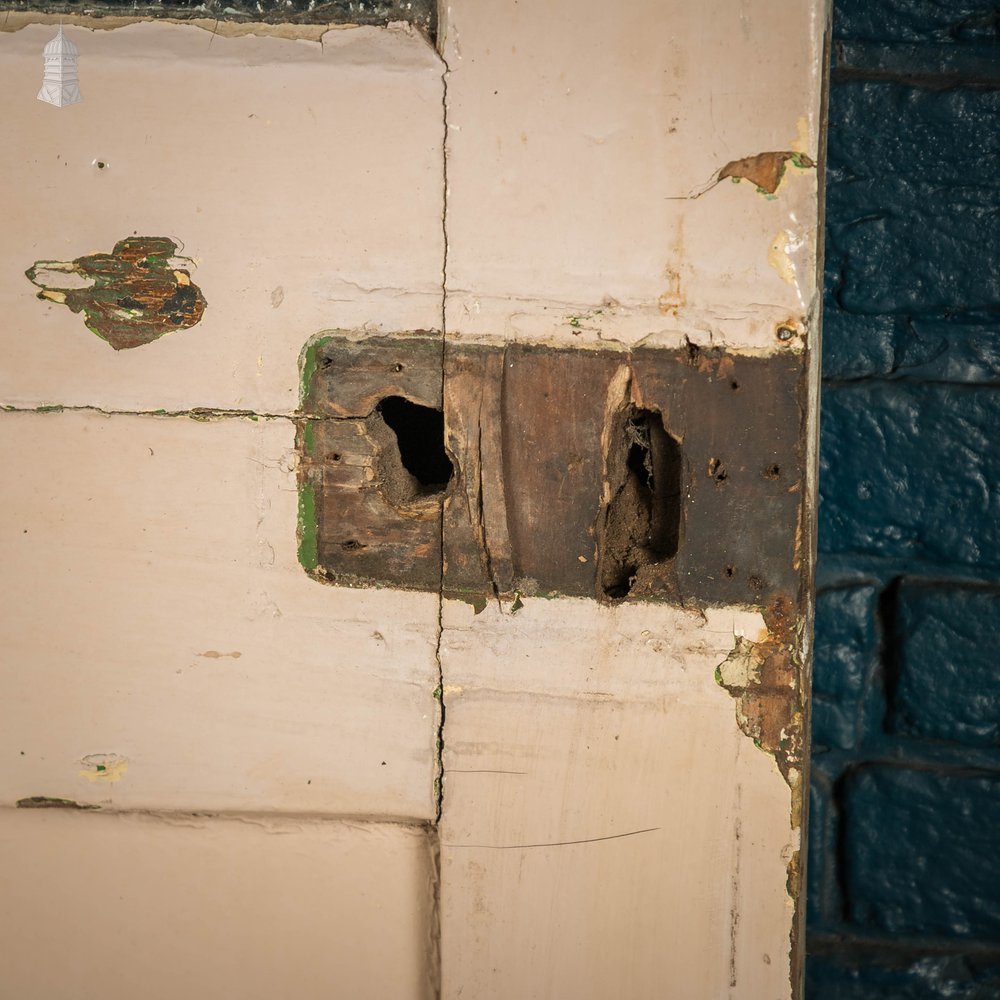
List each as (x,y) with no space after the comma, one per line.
(904,876)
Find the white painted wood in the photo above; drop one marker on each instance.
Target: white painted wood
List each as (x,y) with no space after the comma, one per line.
(580,133)
(304,177)
(607,827)
(101,907)
(152,607)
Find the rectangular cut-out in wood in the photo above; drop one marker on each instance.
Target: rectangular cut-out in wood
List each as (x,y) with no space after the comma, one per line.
(658,474)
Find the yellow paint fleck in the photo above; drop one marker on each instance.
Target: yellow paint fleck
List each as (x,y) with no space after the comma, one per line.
(107,767)
(778,255)
(452,689)
(802,143)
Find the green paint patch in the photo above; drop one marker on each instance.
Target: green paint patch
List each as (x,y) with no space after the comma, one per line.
(308,363)
(309,436)
(308,540)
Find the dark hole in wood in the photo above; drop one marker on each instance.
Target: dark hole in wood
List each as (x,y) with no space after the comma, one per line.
(419,431)
(643,520)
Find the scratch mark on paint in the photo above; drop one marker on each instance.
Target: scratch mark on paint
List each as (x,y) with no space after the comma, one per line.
(558,843)
(214,654)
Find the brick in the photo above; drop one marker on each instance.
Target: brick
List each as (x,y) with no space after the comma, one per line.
(910,208)
(938,349)
(920,852)
(858,346)
(845,975)
(955,21)
(936,136)
(947,351)
(949,672)
(822,855)
(911,471)
(844,648)
(913,246)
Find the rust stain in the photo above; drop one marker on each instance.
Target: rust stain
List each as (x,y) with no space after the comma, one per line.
(763,677)
(131,296)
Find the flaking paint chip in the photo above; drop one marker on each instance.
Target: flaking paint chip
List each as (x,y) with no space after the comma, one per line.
(129,297)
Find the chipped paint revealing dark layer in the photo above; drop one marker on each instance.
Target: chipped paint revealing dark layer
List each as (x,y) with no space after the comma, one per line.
(763,677)
(542,441)
(420,13)
(45,802)
(131,296)
(765,170)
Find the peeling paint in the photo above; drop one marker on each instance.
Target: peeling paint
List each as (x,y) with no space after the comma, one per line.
(129,297)
(107,767)
(46,802)
(764,678)
(765,170)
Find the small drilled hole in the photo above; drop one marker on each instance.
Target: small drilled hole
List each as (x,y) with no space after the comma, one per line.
(397,368)
(717,470)
(734,386)
(730,572)
(335,457)
(772,472)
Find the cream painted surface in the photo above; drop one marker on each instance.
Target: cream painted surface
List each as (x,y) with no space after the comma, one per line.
(608,831)
(153,609)
(303,177)
(583,140)
(118,907)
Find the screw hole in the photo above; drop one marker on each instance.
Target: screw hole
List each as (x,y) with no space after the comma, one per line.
(785,333)
(397,368)
(717,470)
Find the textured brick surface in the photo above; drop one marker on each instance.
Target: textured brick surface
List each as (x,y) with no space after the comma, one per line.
(949,664)
(910,209)
(903,876)
(921,852)
(828,977)
(911,471)
(843,657)
(952,21)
